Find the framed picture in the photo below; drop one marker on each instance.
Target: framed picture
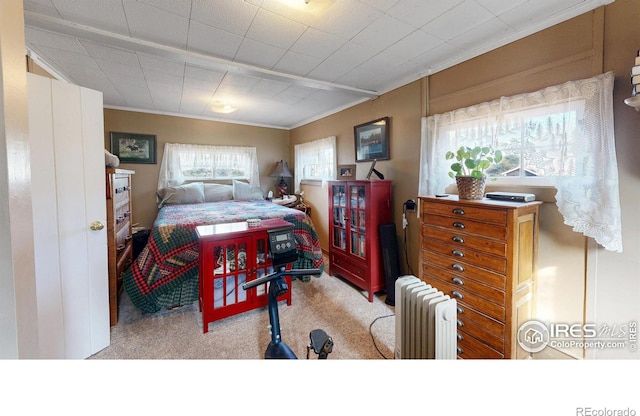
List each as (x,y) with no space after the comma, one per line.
(372,140)
(134,147)
(346,172)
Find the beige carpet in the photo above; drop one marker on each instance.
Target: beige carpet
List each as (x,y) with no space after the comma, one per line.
(359,329)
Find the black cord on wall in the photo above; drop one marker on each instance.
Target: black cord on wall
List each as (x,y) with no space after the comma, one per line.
(410,205)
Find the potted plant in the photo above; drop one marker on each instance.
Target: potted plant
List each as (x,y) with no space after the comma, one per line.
(469,168)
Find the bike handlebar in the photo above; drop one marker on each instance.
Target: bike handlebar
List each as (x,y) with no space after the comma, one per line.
(275,275)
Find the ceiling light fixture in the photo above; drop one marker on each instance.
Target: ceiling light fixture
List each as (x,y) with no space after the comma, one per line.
(223,108)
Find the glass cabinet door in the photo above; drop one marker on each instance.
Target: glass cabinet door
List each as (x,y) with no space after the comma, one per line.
(339,216)
(230,273)
(357,228)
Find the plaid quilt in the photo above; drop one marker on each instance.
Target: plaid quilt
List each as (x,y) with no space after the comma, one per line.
(165,274)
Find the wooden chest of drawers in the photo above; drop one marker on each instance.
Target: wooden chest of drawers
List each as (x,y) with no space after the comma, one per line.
(484,254)
(119,233)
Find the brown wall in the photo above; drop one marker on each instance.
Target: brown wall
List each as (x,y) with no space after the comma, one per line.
(272,145)
(403,107)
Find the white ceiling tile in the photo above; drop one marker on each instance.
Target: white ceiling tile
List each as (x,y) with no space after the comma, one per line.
(382,5)
(165,97)
(497,7)
(268,88)
(477,39)
(52,40)
(231,16)
(296,63)
(156,25)
(45,7)
(195,101)
(259,54)
(383,32)
(534,11)
(104,14)
(412,45)
(458,20)
(275,30)
(179,7)
(158,64)
(203,74)
(108,53)
(345,58)
(116,71)
(347,18)
(437,58)
(211,41)
(420,12)
(316,43)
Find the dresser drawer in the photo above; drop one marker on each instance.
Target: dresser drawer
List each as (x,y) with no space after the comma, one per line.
(461,294)
(466,226)
(492,294)
(464,270)
(486,245)
(480,326)
(456,253)
(350,270)
(472,348)
(461,211)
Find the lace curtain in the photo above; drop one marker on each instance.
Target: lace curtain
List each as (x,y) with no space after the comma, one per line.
(315,160)
(574,123)
(243,159)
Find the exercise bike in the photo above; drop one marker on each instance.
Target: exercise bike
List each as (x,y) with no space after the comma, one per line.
(282,250)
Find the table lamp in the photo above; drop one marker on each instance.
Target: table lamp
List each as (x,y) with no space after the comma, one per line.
(282,171)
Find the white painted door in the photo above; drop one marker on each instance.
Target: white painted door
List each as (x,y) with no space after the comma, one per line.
(66,130)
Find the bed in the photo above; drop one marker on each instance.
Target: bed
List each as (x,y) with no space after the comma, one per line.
(165,273)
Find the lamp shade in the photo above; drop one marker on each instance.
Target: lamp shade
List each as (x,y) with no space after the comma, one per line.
(281,170)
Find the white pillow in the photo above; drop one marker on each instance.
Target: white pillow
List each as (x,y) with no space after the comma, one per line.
(190,193)
(111,160)
(244,191)
(214,192)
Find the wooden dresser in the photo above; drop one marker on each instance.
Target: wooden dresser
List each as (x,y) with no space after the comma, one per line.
(484,254)
(119,233)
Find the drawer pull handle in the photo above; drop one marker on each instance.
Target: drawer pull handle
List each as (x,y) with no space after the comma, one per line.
(128,238)
(120,247)
(457,253)
(459,337)
(127,214)
(119,219)
(459,350)
(459,309)
(458,224)
(457,294)
(458,239)
(457,267)
(459,323)
(458,211)
(458,281)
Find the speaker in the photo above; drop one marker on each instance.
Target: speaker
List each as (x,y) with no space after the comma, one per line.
(389,248)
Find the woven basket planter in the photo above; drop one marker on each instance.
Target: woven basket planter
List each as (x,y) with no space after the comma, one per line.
(470,188)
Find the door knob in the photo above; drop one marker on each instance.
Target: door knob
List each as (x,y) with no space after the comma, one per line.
(96,226)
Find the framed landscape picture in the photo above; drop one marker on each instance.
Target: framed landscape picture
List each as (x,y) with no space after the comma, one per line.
(134,147)
(372,140)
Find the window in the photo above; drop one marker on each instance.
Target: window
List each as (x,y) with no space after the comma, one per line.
(190,162)
(315,160)
(562,133)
